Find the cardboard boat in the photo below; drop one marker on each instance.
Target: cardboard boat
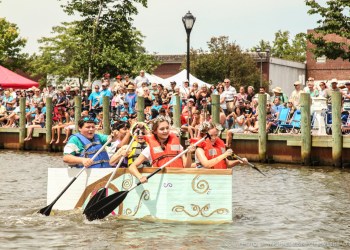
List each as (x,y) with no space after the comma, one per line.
(174,194)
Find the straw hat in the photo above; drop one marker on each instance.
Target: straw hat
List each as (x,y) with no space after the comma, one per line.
(130,86)
(297,83)
(334,80)
(277,90)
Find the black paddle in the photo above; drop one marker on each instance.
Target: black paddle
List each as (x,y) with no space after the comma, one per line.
(105,206)
(102,193)
(250,164)
(47,210)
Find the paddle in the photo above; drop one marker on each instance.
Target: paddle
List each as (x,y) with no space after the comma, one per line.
(105,206)
(250,164)
(47,210)
(102,193)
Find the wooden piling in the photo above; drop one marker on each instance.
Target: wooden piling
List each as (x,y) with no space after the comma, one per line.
(22,122)
(177,112)
(77,112)
(215,108)
(106,116)
(337,138)
(48,121)
(262,126)
(140,109)
(305,103)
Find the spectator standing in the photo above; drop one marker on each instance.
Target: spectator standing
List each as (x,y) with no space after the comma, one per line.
(185,90)
(230,96)
(130,99)
(250,93)
(279,93)
(295,96)
(241,96)
(328,92)
(262,90)
(94,99)
(141,78)
(105,92)
(311,88)
(323,87)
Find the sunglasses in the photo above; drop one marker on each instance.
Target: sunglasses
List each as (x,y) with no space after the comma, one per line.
(88,119)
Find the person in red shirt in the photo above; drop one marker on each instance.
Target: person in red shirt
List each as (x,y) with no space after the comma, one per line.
(212,152)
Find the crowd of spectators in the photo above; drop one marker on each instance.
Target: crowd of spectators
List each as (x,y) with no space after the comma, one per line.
(238,110)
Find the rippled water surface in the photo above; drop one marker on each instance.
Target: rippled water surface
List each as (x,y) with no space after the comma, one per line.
(294,207)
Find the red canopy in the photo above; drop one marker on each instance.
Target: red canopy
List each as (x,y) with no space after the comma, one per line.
(9,79)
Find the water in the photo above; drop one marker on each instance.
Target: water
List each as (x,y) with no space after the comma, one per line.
(294,207)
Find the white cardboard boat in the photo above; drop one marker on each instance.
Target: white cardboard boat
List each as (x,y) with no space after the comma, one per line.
(188,195)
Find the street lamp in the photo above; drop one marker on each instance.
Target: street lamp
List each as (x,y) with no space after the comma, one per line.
(261,55)
(188,21)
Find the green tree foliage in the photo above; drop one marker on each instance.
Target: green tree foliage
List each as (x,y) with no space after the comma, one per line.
(335,19)
(11,45)
(284,47)
(103,38)
(224,60)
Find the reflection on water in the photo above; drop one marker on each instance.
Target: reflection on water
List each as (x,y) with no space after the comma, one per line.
(293,207)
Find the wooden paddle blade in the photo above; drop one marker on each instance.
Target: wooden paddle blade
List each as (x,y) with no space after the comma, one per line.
(46,210)
(105,206)
(97,197)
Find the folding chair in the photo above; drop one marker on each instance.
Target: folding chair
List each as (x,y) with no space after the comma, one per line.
(294,125)
(282,119)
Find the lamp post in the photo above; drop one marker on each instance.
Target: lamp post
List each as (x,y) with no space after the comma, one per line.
(261,54)
(188,21)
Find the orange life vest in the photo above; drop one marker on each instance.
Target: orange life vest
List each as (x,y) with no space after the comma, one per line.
(212,151)
(161,156)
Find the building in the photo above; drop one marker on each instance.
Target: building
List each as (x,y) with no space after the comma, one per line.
(278,72)
(323,69)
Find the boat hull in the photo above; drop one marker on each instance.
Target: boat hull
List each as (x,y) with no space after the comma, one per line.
(189,195)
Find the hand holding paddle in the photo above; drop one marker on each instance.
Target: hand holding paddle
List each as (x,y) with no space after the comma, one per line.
(47,210)
(102,193)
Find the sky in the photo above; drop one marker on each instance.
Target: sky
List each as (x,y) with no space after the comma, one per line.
(245,22)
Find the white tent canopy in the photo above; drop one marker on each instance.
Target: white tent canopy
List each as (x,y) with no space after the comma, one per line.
(182,76)
(153,78)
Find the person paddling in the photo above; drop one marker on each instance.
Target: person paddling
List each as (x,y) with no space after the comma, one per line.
(82,146)
(162,147)
(140,129)
(212,152)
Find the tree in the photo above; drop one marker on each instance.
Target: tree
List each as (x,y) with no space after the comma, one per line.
(103,39)
(335,19)
(285,48)
(11,45)
(224,60)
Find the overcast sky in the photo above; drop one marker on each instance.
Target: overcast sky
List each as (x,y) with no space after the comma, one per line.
(244,21)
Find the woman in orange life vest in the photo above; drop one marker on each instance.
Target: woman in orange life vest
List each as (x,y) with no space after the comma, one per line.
(162,147)
(212,152)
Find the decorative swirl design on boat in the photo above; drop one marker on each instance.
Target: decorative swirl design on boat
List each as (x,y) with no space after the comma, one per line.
(199,211)
(128,182)
(165,184)
(145,196)
(200,187)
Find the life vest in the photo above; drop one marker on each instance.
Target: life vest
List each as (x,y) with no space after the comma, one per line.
(90,148)
(161,156)
(136,149)
(212,151)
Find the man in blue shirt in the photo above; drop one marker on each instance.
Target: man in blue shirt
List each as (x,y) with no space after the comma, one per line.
(94,98)
(277,106)
(105,92)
